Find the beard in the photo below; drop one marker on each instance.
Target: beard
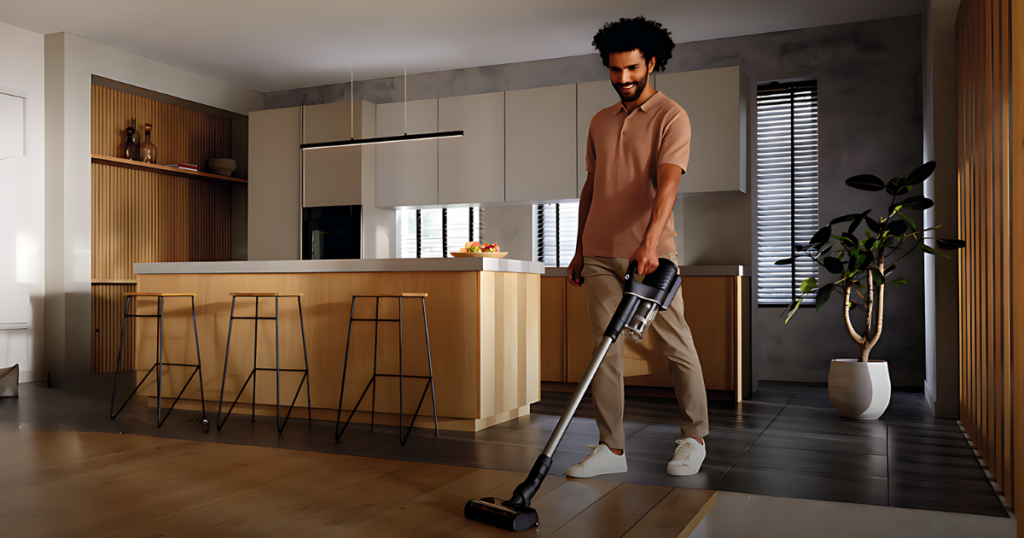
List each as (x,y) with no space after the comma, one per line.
(641,85)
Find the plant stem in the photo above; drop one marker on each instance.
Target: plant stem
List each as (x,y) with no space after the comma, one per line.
(846,315)
(866,347)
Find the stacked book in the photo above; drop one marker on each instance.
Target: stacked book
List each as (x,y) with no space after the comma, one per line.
(184,166)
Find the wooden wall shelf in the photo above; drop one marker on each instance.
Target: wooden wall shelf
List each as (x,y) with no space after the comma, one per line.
(160,169)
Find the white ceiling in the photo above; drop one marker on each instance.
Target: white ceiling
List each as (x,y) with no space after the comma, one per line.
(269,45)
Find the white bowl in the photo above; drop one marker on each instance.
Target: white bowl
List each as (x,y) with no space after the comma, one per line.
(224,167)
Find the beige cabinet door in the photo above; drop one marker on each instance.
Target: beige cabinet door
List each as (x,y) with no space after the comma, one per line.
(333,176)
(407,171)
(552,328)
(591,98)
(471,168)
(711,310)
(274,184)
(540,141)
(715,101)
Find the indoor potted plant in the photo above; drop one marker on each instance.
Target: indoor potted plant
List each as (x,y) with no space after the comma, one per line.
(861,263)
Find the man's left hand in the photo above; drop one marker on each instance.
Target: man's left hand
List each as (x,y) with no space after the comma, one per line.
(646,258)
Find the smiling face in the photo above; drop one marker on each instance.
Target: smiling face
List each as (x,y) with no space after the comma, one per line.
(629,73)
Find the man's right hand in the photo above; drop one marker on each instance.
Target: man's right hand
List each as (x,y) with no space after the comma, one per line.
(575,274)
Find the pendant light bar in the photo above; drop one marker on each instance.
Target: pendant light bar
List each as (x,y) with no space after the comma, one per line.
(383,140)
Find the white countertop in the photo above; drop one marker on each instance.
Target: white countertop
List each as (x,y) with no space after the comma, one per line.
(685,270)
(343,266)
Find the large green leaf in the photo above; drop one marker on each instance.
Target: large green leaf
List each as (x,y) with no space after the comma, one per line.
(897,186)
(808,284)
(787,261)
(932,251)
(866,182)
(822,235)
(873,224)
(921,173)
(844,218)
(823,294)
(919,203)
(896,227)
(833,265)
(879,280)
(950,244)
(910,222)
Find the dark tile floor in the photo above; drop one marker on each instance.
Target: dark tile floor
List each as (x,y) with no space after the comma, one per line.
(784,441)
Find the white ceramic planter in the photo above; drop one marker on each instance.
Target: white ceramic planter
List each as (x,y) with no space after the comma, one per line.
(9,382)
(858,389)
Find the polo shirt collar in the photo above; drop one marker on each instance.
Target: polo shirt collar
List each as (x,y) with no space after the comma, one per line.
(646,106)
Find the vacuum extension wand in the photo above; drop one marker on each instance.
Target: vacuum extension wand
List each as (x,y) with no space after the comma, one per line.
(641,302)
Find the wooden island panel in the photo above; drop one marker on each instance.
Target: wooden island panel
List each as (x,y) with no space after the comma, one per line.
(484,342)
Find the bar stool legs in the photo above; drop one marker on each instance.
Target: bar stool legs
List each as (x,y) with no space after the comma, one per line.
(277,363)
(158,366)
(403,435)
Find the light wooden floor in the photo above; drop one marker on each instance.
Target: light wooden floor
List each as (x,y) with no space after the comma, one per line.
(98,484)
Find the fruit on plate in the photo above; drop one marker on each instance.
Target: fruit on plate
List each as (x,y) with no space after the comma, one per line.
(477,246)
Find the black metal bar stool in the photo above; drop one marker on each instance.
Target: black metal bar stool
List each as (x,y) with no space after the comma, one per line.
(373,398)
(277,365)
(159,364)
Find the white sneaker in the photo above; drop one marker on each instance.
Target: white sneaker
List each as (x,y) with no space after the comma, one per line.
(601,461)
(689,455)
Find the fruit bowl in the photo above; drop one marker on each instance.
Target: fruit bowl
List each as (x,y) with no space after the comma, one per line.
(479,254)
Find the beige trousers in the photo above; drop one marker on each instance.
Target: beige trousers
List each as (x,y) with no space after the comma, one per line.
(603,281)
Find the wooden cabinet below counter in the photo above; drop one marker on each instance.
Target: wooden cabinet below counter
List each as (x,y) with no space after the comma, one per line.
(715,312)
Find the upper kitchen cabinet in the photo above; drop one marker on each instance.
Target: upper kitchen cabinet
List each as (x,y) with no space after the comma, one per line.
(540,129)
(334,176)
(407,171)
(471,168)
(591,98)
(716,101)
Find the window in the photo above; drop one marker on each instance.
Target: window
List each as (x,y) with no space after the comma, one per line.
(557,225)
(787,186)
(434,232)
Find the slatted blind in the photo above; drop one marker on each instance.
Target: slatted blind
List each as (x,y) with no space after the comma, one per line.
(557,226)
(434,232)
(787,186)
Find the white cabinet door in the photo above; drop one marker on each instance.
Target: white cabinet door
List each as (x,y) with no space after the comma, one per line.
(332,176)
(274,166)
(714,99)
(591,98)
(540,144)
(407,171)
(471,169)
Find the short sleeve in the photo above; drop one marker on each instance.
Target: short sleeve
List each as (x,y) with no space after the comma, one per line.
(675,142)
(591,152)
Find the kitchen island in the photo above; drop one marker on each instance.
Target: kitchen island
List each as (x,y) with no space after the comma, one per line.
(483,316)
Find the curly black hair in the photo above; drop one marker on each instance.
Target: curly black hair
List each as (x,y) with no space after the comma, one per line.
(645,35)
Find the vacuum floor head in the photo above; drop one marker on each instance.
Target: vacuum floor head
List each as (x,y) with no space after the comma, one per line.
(495,513)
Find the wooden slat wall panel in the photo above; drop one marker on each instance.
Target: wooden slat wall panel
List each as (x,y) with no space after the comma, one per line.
(140,216)
(989,156)
(181,135)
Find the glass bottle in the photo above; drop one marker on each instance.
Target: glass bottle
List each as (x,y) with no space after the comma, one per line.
(148,149)
(131,143)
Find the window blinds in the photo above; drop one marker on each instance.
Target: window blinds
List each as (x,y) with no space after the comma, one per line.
(557,226)
(434,232)
(787,186)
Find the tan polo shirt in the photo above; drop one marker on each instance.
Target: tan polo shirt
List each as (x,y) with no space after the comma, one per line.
(624,151)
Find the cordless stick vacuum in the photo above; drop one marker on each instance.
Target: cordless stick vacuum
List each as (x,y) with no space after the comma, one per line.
(640,302)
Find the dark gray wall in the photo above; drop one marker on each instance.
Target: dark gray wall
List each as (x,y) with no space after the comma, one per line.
(869,78)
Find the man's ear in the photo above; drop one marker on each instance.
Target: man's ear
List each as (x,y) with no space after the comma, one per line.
(650,65)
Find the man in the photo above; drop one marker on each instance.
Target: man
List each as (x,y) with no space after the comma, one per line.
(636,152)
